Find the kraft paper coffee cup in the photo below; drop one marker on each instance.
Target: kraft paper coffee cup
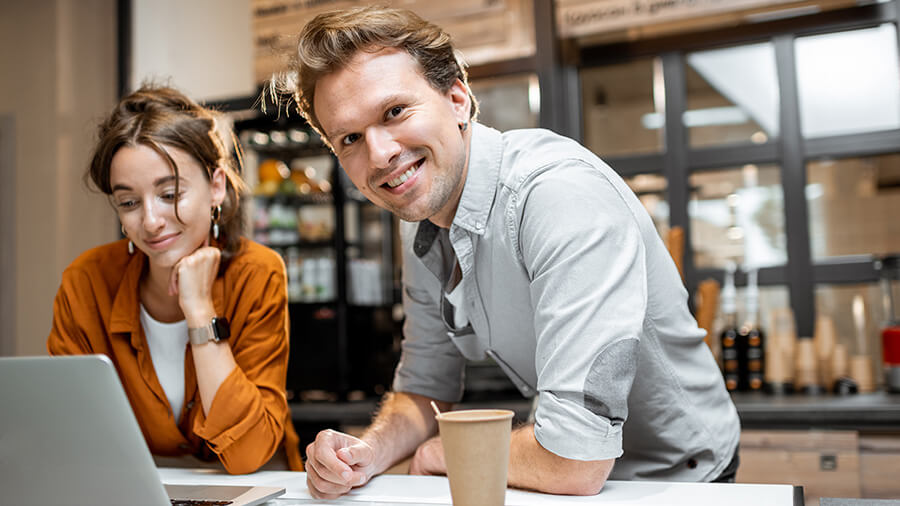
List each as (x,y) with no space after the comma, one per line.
(476,450)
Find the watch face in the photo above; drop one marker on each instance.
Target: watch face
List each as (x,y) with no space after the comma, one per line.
(221,328)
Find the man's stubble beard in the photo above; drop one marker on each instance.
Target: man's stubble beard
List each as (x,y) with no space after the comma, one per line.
(443,188)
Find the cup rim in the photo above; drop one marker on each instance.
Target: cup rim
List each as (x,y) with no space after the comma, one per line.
(487,415)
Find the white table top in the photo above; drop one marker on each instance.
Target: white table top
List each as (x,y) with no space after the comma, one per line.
(429,490)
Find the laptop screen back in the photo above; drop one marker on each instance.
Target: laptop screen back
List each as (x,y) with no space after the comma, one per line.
(68,435)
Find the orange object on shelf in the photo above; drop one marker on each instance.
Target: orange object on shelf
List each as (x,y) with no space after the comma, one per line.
(707,307)
(305,185)
(825,339)
(273,170)
(675,245)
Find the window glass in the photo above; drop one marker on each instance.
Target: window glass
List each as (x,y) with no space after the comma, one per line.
(623,108)
(737,215)
(848,82)
(853,205)
(510,102)
(732,95)
(651,191)
(837,302)
(771,298)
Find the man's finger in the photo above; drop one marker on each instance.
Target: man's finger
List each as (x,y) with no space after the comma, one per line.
(312,484)
(359,454)
(327,462)
(324,472)
(324,482)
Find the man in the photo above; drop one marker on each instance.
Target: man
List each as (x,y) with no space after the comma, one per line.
(522,246)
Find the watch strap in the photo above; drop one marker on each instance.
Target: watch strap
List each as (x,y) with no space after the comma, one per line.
(215,331)
(202,335)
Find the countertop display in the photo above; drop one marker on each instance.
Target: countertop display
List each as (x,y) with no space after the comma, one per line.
(420,490)
(874,411)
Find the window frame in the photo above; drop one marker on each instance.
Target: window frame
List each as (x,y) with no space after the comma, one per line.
(790,150)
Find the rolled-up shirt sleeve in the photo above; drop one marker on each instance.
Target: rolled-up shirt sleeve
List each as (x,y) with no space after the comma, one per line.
(585,258)
(430,363)
(246,421)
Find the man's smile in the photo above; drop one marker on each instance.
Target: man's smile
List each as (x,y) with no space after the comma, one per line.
(398,183)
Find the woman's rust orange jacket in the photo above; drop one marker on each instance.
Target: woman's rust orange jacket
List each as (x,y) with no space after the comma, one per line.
(97,310)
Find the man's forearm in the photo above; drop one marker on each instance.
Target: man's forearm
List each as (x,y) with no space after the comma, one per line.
(403,422)
(533,467)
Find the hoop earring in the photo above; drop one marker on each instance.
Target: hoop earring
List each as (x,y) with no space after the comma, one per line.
(463,126)
(130,244)
(216,213)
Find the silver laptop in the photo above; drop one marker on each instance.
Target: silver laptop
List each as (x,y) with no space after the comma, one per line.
(68,436)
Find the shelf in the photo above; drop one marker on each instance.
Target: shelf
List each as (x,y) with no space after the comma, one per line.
(297,200)
(312,305)
(361,412)
(327,244)
(292,150)
(353,345)
(354,306)
(874,411)
(323,244)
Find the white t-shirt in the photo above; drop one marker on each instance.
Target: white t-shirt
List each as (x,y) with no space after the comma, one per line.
(168,345)
(455,298)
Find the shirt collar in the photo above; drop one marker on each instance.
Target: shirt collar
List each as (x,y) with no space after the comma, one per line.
(479,190)
(477,198)
(125,317)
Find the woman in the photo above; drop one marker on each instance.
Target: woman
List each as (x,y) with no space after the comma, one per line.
(162,302)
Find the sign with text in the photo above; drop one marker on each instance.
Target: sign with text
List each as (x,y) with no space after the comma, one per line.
(576,18)
(483,30)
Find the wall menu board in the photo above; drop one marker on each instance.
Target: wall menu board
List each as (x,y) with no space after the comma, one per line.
(484,30)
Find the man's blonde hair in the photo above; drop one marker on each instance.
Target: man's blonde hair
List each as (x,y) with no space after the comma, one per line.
(330,40)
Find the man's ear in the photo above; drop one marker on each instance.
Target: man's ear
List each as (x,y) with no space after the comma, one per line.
(460,100)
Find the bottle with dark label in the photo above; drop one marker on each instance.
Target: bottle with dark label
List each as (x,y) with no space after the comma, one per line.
(751,339)
(729,337)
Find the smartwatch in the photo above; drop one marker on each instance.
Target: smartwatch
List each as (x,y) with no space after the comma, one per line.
(217,330)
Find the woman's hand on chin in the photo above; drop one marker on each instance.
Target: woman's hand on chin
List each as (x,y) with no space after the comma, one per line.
(192,279)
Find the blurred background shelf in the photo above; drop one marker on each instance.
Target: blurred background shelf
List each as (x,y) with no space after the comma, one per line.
(339,254)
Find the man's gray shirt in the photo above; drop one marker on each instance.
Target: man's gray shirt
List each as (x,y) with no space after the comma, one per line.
(569,288)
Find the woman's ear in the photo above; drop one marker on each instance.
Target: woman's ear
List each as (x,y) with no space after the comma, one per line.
(218,186)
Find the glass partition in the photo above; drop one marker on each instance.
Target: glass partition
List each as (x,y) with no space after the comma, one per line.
(623,108)
(858,314)
(732,95)
(853,206)
(848,82)
(737,214)
(509,102)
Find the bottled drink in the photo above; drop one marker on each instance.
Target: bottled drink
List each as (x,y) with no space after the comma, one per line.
(729,336)
(889,269)
(751,339)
